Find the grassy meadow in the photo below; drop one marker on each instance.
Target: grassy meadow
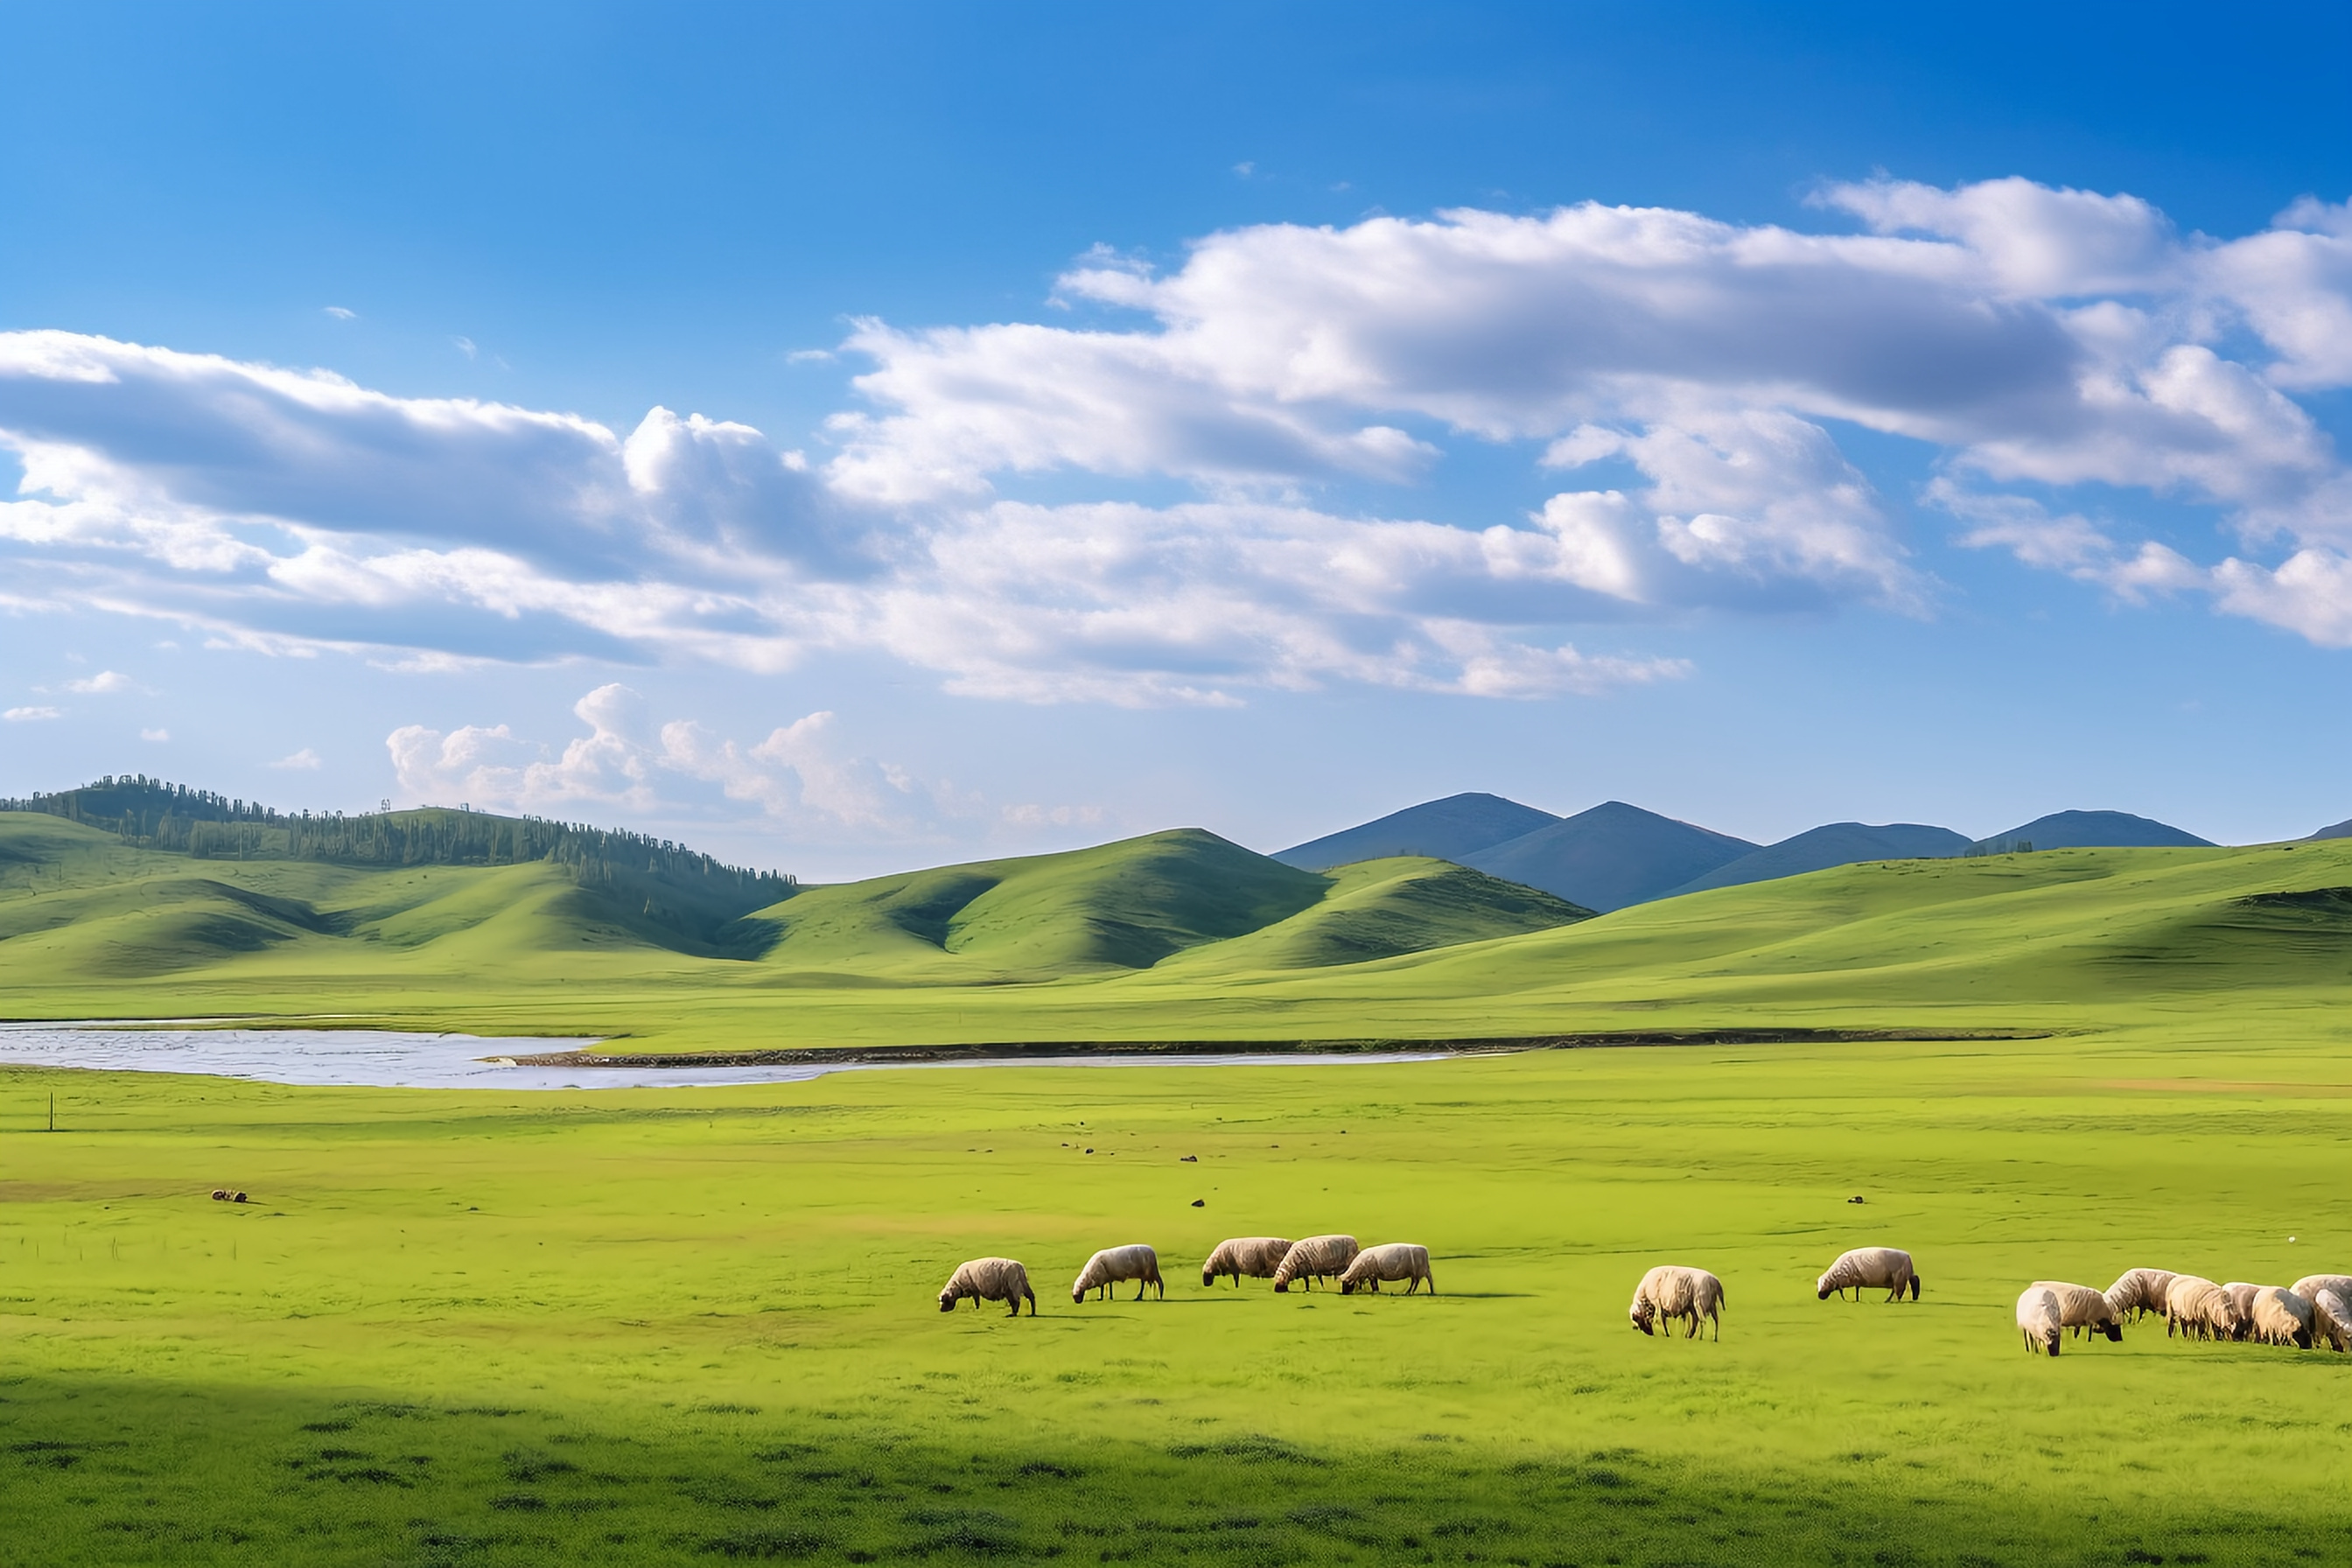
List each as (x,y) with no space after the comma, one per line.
(1178,936)
(699,1325)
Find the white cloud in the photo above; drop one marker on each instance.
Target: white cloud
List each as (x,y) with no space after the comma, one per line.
(28,715)
(305,760)
(103,681)
(154,735)
(339,313)
(2029,241)
(801,775)
(1681,381)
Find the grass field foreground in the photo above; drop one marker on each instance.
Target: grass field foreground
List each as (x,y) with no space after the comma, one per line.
(699,1325)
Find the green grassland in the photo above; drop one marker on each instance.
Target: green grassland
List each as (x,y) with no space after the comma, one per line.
(697,1325)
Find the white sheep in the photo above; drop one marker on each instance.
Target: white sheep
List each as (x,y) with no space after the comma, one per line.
(1114,1265)
(2139,1291)
(2311,1285)
(1670,1291)
(989,1280)
(1257,1257)
(2038,1319)
(2327,1324)
(1318,1258)
(1390,1261)
(2195,1307)
(2241,1307)
(2081,1307)
(2278,1316)
(1886,1268)
(2331,1317)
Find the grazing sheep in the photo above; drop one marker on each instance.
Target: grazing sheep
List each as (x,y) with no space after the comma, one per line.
(1114,1264)
(1390,1261)
(2278,1316)
(1316,1259)
(1254,1256)
(2139,1291)
(2331,1317)
(989,1280)
(2038,1319)
(2241,1305)
(1886,1268)
(2310,1287)
(2195,1307)
(2080,1307)
(1670,1291)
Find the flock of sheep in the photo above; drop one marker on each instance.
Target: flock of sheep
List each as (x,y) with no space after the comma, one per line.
(1318,1259)
(2315,1308)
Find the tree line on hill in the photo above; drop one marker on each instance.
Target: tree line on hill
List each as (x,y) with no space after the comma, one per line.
(150,813)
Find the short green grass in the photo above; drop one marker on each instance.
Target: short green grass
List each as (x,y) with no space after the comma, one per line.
(698,1325)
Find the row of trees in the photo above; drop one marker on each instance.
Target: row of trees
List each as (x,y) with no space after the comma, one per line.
(152,815)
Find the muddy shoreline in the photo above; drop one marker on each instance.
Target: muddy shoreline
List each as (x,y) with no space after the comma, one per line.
(880,1056)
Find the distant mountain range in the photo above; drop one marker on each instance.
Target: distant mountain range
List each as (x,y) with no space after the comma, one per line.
(1616,855)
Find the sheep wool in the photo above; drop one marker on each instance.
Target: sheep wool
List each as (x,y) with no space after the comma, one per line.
(1315,1258)
(1886,1268)
(1390,1261)
(2139,1291)
(1250,1257)
(1115,1264)
(2331,1317)
(2278,1316)
(989,1280)
(1672,1292)
(2311,1285)
(2081,1307)
(2241,1307)
(2195,1307)
(2038,1319)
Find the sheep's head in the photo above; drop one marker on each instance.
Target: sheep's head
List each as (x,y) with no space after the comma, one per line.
(1346,1286)
(1208,1276)
(2113,1330)
(1645,1317)
(947,1301)
(1282,1287)
(1077,1295)
(1822,1291)
(1914,1287)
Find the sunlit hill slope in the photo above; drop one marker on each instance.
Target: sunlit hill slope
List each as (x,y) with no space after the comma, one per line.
(1177,935)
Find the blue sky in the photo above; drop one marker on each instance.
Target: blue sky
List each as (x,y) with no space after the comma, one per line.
(852,437)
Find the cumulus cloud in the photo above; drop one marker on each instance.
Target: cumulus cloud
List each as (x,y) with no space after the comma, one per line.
(1677,385)
(31,715)
(103,681)
(158,734)
(802,774)
(306,760)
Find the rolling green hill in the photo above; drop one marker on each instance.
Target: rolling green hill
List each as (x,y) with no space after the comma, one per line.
(80,908)
(1178,936)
